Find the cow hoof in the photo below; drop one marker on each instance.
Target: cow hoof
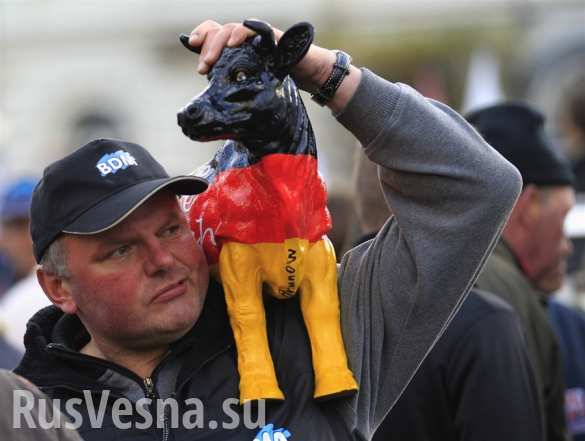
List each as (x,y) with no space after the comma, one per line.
(335,383)
(255,389)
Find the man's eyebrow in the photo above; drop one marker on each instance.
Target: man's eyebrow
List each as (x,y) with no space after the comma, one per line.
(117,239)
(114,238)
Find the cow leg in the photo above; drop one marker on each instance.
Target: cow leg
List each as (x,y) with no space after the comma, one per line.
(241,279)
(320,307)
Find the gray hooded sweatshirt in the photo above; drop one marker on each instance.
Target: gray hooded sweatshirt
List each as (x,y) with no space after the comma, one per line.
(451,194)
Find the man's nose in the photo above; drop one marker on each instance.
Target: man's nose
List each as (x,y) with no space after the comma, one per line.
(159,258)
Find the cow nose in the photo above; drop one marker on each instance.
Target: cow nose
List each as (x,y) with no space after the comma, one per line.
(191,114)
(181,118)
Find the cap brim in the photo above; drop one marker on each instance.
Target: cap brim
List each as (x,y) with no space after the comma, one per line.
(113,210)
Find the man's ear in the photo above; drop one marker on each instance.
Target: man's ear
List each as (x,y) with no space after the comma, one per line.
(528,206)
(58,290)
(293,46)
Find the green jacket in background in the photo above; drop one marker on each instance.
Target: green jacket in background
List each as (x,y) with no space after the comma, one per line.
(502,276)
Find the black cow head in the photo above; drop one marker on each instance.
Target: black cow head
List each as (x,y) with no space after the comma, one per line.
(250,96)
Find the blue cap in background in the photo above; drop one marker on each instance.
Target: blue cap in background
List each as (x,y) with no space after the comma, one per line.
(16,198)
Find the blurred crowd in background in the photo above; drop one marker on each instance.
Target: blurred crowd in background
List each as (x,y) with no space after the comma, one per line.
(74,71)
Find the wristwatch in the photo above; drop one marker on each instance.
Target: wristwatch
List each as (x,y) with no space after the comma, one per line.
(339,72)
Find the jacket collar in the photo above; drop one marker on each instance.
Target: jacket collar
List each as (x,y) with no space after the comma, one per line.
(504,251)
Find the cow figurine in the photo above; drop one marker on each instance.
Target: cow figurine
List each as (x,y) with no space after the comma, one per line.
(263,220)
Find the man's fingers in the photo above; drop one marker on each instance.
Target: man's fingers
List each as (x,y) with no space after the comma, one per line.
(239,35)
(212,47)
(211,37)
(199,34)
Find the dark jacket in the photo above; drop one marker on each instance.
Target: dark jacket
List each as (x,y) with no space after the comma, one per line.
(502,276)
(476,384)
(569,324)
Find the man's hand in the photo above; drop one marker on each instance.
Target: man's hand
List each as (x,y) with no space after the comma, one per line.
(310,73)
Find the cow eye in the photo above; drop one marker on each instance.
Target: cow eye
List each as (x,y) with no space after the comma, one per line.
(241,76)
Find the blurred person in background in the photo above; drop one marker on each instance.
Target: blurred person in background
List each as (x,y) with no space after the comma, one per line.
(6,272)
(477,383)
(529,262)
(572,130)
(572,126)
(15,241)
(340,206)
(25,295)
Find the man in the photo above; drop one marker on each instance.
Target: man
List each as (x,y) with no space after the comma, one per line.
(530,261)
(479,371)
(136,314)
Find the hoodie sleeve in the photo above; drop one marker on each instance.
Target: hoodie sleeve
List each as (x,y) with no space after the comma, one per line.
(451,194)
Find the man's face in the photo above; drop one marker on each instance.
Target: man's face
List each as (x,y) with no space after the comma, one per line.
(141,284)
(549,248)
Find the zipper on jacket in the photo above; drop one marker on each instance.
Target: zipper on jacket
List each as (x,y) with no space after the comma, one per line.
(149,386)
(151,393)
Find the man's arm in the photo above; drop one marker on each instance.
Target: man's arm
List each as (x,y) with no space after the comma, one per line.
(451,194)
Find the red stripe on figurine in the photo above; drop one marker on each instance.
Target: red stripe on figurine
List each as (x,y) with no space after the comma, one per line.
(280,197)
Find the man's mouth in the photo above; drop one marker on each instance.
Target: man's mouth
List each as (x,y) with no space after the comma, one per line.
(171,291)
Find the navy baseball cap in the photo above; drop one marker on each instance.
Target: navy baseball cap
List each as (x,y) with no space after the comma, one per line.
(96,187)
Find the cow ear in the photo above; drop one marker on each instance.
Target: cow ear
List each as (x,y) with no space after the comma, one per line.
(265,32)
(185,41)
(293,46)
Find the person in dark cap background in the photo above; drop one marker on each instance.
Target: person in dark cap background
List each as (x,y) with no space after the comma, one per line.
(529,263)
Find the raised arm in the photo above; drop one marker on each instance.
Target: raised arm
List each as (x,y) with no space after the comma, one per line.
(451,194)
